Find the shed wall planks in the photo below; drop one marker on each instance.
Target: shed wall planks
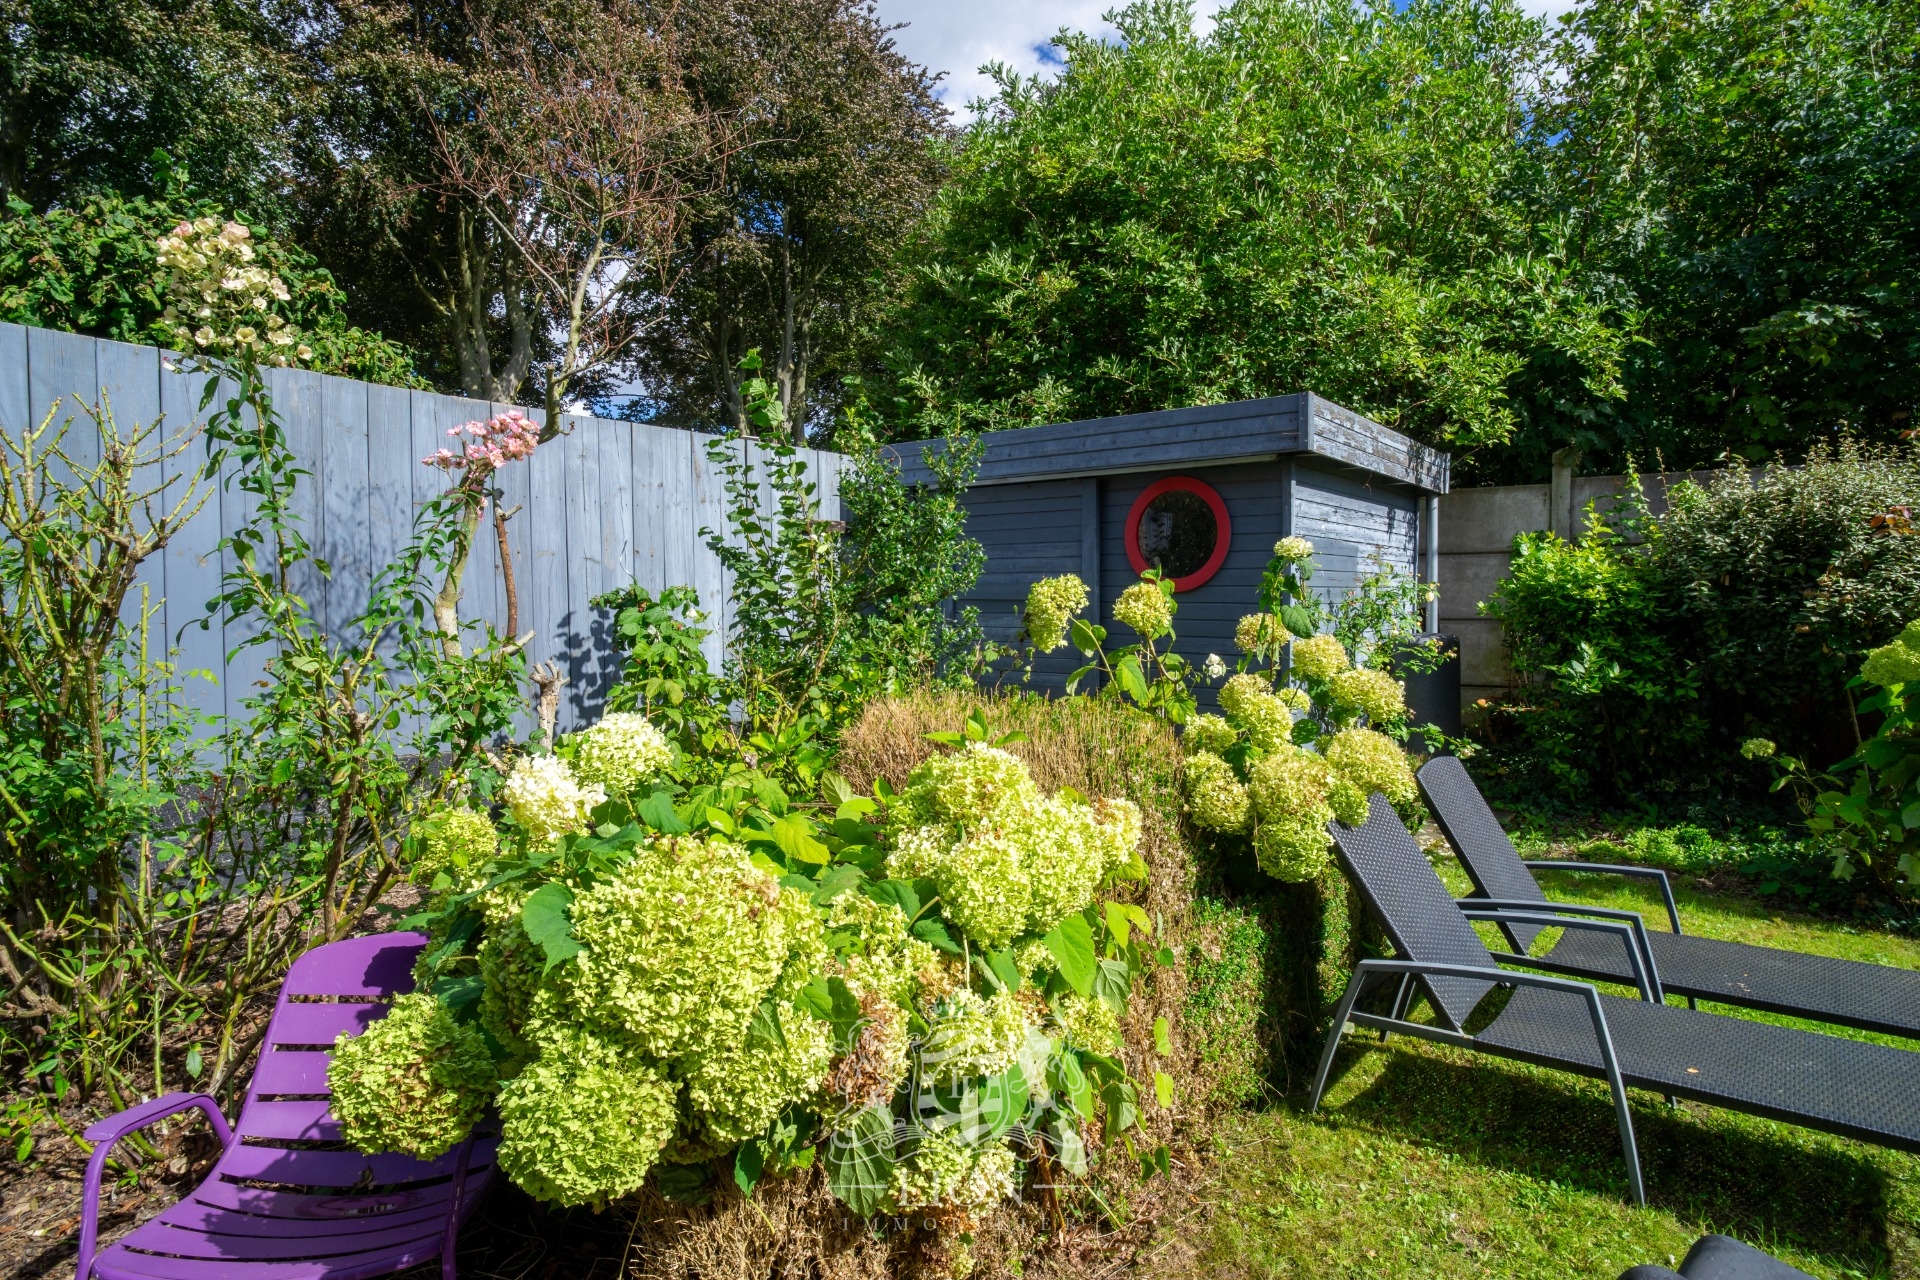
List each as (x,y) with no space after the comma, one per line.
(607,503)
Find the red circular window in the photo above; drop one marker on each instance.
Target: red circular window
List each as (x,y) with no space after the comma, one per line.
(1179,526)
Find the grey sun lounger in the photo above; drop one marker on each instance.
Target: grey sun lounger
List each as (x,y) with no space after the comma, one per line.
(1864,1091)
(1872,997)
(1720,1258)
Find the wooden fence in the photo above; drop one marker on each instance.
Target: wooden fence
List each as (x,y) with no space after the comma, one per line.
(604,504)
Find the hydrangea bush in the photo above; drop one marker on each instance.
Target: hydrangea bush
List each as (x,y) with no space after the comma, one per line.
(920,989)
(1306,736)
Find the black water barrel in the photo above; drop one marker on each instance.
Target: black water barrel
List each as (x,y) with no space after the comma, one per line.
(1433,692)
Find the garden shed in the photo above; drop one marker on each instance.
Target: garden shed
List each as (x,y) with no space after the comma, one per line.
(1201,493)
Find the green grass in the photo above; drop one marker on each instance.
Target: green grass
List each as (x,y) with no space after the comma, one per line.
(1431,1161)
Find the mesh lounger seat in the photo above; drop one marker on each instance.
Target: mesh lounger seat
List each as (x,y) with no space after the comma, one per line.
(1720,1258)
(1863,1091)
(1872,997)
(287,1200)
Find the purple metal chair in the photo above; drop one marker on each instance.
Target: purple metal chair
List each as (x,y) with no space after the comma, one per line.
(287,1200)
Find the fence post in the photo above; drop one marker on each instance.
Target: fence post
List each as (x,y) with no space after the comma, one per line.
(1560,492)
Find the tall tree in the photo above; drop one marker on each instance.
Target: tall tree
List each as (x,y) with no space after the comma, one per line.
(90,89)
(1314,196)
(791,252)
(1747,174)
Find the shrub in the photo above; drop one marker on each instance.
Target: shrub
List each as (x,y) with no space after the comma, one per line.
(95,269)
(1649,650)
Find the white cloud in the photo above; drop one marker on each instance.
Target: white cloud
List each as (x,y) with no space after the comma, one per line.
(961,38)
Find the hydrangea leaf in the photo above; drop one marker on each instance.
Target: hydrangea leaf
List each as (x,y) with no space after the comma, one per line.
(544,917)
(1162,1037)
(981,1109)
(1123,918)
(460,994)
(1002,966)
(859,1160)
(795,838)
(684,1183)
(1071,945)
(1163,1089)
(1069,1148)
(657,811)
(1065,1078)
(1112,983)
(1123,1106)
(748,1162)
(837,882)
(933,932)
(1298,619)
(900,894)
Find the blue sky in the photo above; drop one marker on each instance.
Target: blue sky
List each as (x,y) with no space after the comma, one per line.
(958,38)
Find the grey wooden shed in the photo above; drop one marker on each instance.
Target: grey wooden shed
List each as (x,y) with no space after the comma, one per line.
(1104,497)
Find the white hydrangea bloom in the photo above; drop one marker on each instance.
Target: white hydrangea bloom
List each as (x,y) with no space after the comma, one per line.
(545,799)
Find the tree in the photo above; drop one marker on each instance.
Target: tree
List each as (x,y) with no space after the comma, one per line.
(1744,171)
(1312,197)
(791,253)
(89,89)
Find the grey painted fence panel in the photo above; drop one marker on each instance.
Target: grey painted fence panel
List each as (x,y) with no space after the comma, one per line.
(606,503)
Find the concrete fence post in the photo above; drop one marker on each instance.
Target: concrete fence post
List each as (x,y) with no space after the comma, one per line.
(1560,492)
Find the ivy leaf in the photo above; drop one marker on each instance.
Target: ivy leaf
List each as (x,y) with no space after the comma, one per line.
(1071,945)
(795,837)
(544,917)
(1123,918)
(1123,1106)
(859,1160)
(1065,1078)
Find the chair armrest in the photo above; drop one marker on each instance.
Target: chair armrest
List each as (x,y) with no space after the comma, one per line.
(104,1134)
(1607,868)
(1505,906)
(1646,978)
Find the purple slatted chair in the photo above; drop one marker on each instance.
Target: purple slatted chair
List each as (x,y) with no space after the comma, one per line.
(287,1200)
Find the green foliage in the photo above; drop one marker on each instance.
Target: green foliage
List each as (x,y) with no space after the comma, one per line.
(91,268)
(1651,649)
(729,973)
(1739,172)
(1866,810)
(1312,195)
(1608,700)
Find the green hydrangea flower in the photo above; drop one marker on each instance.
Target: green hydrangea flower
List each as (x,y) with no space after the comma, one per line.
(510,975)
(1895,663)
(586,1121)
(1293,849)
(1146,608)
(880,955)
(1373,694)
(413,1082)
(969,1036)
(1373,762)
(1318,658)
(940,1169)
(454,842)
(965,786)
(1052,604)
(681,944)
(738,1090)
(1208,733)
(1215,796)
(1087,1023)
(620,752)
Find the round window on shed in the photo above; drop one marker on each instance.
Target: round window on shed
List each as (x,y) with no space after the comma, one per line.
(1179,526)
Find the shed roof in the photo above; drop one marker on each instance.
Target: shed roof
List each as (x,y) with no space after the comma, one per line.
(1214,434)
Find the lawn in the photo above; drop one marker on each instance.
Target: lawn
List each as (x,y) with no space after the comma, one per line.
(1429,1161)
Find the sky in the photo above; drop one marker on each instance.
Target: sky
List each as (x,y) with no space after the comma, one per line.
(959,36)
